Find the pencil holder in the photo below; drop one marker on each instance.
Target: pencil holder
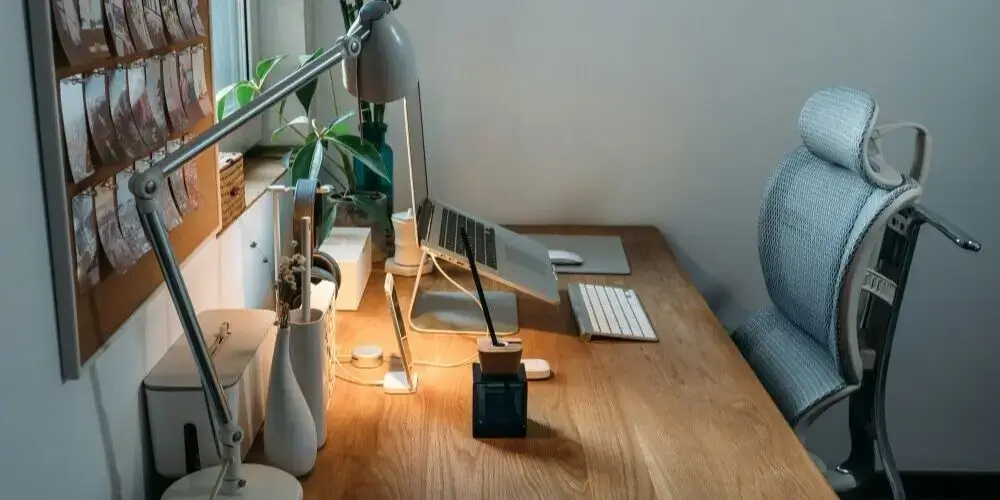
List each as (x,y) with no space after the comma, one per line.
(499,404)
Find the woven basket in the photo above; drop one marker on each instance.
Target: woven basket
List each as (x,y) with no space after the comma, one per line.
(232,188)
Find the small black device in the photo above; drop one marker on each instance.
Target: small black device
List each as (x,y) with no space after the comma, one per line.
(499,401)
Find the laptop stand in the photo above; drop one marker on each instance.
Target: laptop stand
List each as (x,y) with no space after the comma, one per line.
(458,312)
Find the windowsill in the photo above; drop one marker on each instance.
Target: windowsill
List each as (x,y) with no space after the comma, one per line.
(258,174)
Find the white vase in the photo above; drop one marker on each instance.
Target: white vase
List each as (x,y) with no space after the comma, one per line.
(289,431)
(308,353)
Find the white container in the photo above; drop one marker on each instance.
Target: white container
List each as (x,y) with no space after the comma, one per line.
(322,297)
(307,343)
(351,247)
(179,428)
(289,431)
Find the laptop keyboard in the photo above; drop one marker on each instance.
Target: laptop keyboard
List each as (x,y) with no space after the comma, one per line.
(482,238)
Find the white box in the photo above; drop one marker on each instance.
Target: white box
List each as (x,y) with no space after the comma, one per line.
(179,428)
(351,248)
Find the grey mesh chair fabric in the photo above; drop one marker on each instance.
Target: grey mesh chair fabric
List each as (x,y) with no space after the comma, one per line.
(819,207)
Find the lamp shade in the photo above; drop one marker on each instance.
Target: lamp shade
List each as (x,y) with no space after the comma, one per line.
(385,70)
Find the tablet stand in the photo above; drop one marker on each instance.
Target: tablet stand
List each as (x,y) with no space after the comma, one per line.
(458,312)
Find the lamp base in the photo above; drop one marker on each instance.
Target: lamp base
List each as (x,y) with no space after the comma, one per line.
(263,483)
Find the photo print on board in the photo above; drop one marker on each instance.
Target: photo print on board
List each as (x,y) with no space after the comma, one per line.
(154,93)
(184,13)
(191,181)
(121,114)
(154,22)
(121,40)
(199,27)
(102,129)
(128,215)
(175,33)
(74,122)
(172,89)
(176,181)
(189,94)
(66,18)
(142,114)
(88,272)
(201,80)
(168,210)
(137,24)
(92,29)
(116,249)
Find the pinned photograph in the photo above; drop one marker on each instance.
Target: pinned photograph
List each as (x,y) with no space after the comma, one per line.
(154,22)
(172,89)
(128,215)
(142,114)
(175,33)
(74,122)
(137,23)
(201,80)
(118,27)
(116,249)
(187,23)
(88,272)
(154,93)
(92,29)
(121,115)
(102,130)
(199,26)
(176,181)
(189,94)
(191,181)
(66,18)
(168,210)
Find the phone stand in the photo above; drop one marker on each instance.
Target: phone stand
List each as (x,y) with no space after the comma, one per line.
(458,312)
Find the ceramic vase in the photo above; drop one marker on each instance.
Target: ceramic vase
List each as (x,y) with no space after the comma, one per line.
(308,354)
(289,431)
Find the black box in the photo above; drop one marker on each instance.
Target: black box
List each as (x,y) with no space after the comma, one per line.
(499,404)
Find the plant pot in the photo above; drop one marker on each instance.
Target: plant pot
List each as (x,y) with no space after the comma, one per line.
(307,343)
(289,430)
(365,179)
(350,215)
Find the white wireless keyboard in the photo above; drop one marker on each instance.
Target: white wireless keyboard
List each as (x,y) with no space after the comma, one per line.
(607,311)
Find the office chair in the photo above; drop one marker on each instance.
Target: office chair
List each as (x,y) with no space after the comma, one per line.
(836,235)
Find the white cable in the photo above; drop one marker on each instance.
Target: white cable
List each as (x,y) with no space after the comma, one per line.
(466,361)
(453,282)
(348,377)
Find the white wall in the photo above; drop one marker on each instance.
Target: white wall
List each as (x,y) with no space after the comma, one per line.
(51,434)
(674,113)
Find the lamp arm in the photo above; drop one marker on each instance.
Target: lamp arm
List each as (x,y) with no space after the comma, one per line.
(146,186)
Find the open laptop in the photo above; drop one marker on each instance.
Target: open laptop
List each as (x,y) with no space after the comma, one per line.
(502,255)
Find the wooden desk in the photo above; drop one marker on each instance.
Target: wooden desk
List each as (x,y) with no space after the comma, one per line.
(684,418)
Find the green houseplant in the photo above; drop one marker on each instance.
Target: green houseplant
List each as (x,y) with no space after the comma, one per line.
(329,147)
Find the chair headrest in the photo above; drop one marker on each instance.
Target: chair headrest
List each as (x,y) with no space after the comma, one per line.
(836,124)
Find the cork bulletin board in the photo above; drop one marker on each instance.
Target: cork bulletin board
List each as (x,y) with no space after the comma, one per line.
(118,85)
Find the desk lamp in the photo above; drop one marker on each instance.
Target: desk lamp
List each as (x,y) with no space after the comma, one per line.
(379,67)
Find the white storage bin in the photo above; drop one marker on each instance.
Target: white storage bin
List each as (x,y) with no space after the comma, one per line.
(351,247)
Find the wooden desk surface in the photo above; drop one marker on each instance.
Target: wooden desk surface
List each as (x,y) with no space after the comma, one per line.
(684,418)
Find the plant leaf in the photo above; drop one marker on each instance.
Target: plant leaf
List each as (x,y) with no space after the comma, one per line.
(221,97)
(264,68)
(363,150)
(373,211)
(329,219)
(317,160)
(245,92)
(299,120)
(302,161)
(339,126)
(305,94)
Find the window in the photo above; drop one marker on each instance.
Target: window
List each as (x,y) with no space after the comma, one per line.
(231,52)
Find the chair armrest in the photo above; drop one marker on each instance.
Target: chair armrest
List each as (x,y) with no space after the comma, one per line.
(953,232)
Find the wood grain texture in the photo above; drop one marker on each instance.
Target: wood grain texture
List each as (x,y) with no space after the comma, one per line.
(684,418)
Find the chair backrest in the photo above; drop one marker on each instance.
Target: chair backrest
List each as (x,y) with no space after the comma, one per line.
(825,209)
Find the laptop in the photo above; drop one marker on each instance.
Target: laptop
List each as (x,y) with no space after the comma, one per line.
(501,255)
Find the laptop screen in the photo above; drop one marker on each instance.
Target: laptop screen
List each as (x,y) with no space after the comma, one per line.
(417,155)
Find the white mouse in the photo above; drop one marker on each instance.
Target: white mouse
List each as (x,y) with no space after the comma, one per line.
(564,258)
